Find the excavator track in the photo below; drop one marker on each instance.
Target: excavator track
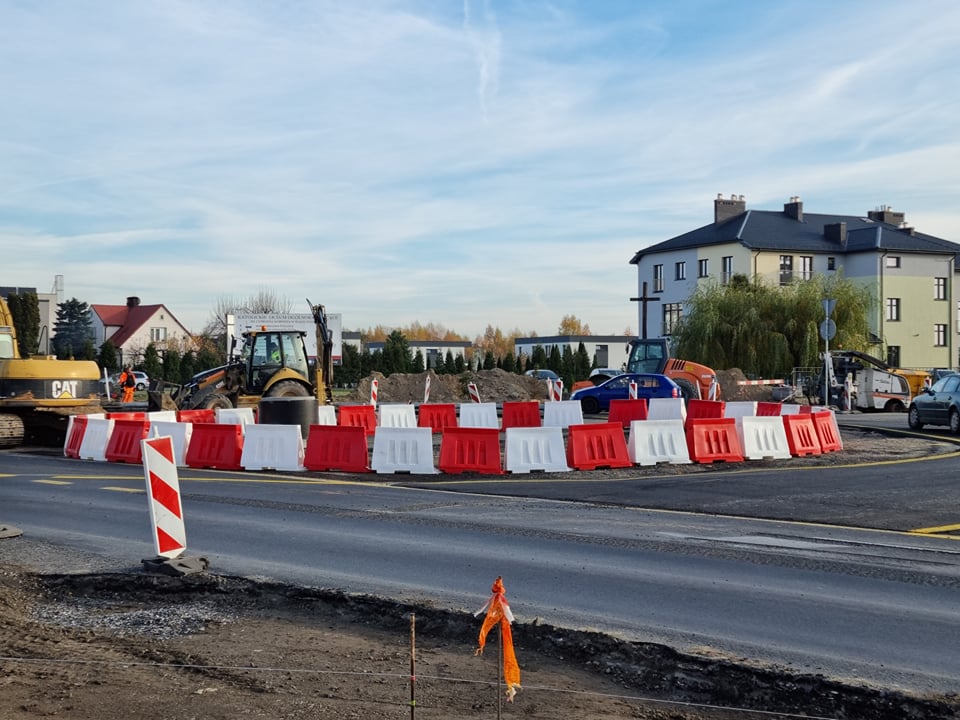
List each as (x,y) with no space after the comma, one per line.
(11,430)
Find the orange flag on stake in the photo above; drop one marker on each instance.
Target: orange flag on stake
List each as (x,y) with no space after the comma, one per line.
(498,612)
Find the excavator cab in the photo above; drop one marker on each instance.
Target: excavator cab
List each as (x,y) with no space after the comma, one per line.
(274,357)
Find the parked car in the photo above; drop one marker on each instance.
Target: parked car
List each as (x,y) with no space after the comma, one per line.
(649,385)
(542,374)
(143,380)
(937,405)
(597,376)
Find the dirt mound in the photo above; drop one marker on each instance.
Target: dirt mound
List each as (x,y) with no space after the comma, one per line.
(493,386)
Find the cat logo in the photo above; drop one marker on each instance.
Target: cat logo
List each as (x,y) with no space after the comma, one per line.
(64,389)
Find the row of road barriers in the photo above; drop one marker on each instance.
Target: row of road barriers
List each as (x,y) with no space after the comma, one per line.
(475,441)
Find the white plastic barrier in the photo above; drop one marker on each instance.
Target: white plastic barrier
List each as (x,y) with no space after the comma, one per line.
(763,437)
(275,447)
(658,441)
(666,409)
(789,409)
(739,409)
(479,415)
(562,413)
(90,416)
(403,450)
(235,416)
(163,490)
(397,416)
(535,448)
(95,439)
(180,432)
(161,416)
(326,415)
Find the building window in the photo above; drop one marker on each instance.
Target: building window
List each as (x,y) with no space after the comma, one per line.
(703,268)
(671,316)
(893,261)
(158,334)
(893,355)
(726,269)
(680,271)
(939,288)
(893,309)
(658,278)
(831,263)
(940,335)
(806,267)
(786,269)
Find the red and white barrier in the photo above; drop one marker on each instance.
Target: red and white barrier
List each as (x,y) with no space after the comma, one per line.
(163,490)
(374,388)
(426,389)
(474,392)
(633,389)
(556,390)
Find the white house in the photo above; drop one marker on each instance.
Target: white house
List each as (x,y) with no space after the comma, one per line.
(133,326)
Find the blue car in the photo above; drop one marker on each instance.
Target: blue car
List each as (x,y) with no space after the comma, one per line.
(649,385)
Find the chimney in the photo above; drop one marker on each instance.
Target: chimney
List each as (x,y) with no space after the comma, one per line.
(885,214)
(794,208)
(724,209)
(133,301)
(836,232)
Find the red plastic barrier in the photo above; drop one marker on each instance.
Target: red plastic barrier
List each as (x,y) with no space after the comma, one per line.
(126,415)
(71,448)
(597,445)
(827,432)
(215,446)
(714,439)
(470,450)
(206,415)
(364,416)
(806,410)
(337,447)
(437,416)
(521,413)
(124,443)
(706,409)
(801,435)
(768,409)
(625,412)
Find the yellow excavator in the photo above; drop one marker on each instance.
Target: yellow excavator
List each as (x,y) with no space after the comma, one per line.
(38,393)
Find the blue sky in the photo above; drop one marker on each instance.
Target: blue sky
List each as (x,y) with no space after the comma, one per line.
(461,163)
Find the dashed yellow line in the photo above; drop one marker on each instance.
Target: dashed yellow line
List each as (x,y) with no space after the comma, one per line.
(123,489)
(939,530)
(53,482)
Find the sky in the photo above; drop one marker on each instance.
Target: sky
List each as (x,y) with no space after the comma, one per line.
(464,163)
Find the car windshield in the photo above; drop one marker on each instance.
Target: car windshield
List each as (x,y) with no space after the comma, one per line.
(947,384)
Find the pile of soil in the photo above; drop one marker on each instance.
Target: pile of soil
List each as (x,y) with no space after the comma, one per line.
(493,385)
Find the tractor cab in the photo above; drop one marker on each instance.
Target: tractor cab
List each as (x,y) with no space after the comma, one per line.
(274,356)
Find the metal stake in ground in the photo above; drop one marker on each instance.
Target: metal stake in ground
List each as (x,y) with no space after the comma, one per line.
(413,665)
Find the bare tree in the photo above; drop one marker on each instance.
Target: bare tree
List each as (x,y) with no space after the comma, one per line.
(264,300)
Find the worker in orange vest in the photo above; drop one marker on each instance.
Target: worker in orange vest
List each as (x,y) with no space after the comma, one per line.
(128,382)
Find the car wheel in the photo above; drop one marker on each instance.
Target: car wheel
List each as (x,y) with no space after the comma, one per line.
(141,386)
(913,418)
(590,405)
(894,406)
(955,421)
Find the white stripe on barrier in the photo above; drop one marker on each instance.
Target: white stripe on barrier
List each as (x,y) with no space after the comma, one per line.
(89,416)
(275,447)
(397,416)
(95,439)
(562,413)
(161,416)
(666,409)
(403,450)
(535,448)
(235,416)
(326,415)
(739,409)
(763,437)
(479,415)
(789,409)
(181,434)
(656,441)
(163,491)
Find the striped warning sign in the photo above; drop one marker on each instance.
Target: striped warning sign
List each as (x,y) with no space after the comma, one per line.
(163,489)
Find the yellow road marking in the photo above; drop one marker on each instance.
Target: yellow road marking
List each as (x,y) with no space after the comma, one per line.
(53,482)
(936,530)
(123,489)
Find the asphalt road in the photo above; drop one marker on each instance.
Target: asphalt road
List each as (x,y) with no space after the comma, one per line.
(700,574)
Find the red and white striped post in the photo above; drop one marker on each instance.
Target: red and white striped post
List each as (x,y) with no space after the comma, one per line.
(426,390)
(474,392)
(557,390)
(633,389)
(163,489)
(374,387)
